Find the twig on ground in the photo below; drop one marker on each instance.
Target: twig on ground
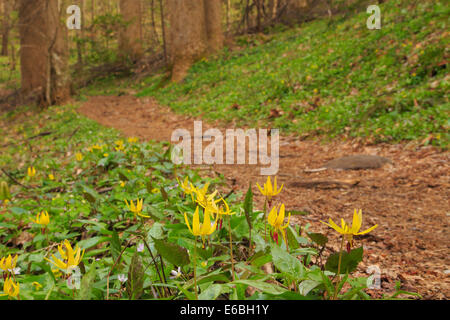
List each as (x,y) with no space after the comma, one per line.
(13,179)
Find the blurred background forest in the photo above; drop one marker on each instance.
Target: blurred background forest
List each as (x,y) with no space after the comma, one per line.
(134,36)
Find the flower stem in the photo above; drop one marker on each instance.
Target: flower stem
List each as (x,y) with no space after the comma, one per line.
(195,267)
(339,268)
(231,248)
(265,221)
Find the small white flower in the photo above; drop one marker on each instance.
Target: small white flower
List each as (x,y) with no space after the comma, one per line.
(140,247)
(176,273)
(15,270)
(173,187)
(122,278)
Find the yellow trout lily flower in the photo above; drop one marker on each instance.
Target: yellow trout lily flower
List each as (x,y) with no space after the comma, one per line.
(10,288)
(51,177)
(31,171)
(42,218)
(206,201)
(204,229)
(221,212)
(37,285)
(78,156)
(95,147)
(133,140)
(186,186)
(8,264)
(70,257)
(200,193)
(227,210)
(136,209)
(268,190)
(119,145)
(56,273)
(350,231)
(276,220)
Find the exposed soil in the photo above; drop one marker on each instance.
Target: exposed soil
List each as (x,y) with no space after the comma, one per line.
(408,199)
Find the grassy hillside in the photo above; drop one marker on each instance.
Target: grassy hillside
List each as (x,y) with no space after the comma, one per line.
(330,77)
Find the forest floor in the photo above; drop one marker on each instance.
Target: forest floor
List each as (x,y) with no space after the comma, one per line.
(408,199)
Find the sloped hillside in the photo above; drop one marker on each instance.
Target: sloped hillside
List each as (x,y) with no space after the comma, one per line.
(335,77)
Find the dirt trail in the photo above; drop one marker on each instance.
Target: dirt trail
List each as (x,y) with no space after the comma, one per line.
(408,200)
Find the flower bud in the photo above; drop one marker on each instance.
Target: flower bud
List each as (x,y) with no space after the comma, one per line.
(4,191)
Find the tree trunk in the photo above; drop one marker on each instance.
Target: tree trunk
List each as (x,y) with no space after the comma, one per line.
(130,37)
(195,31)
(187,35)
(213,20)
(273,8)
(258,15)
(43,52)
(6,12)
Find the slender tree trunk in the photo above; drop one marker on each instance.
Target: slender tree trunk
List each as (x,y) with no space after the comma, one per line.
(92,11)
(130,38)
(79,42)
(228,15)
(163,27)
(43,51)
(13,57)
(153,22)
(258,15)
(272,8)
(6,21)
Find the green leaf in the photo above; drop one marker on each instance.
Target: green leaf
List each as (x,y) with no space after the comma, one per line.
(87,283)
(18,211)
(211,293)
(46,267)
(187,293)
(327,283)
(318,238)
(154,213)
(149,186)
(172,252)
(349,261)
(292,239)
(248,205)
(89,243)
(115,245)
(298,213)
(156,231)
(123,176)
(164,194)
(287,264)
(135,283)
(306,286)
(263,286)
(89,194)
(260,258)
(215,276)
